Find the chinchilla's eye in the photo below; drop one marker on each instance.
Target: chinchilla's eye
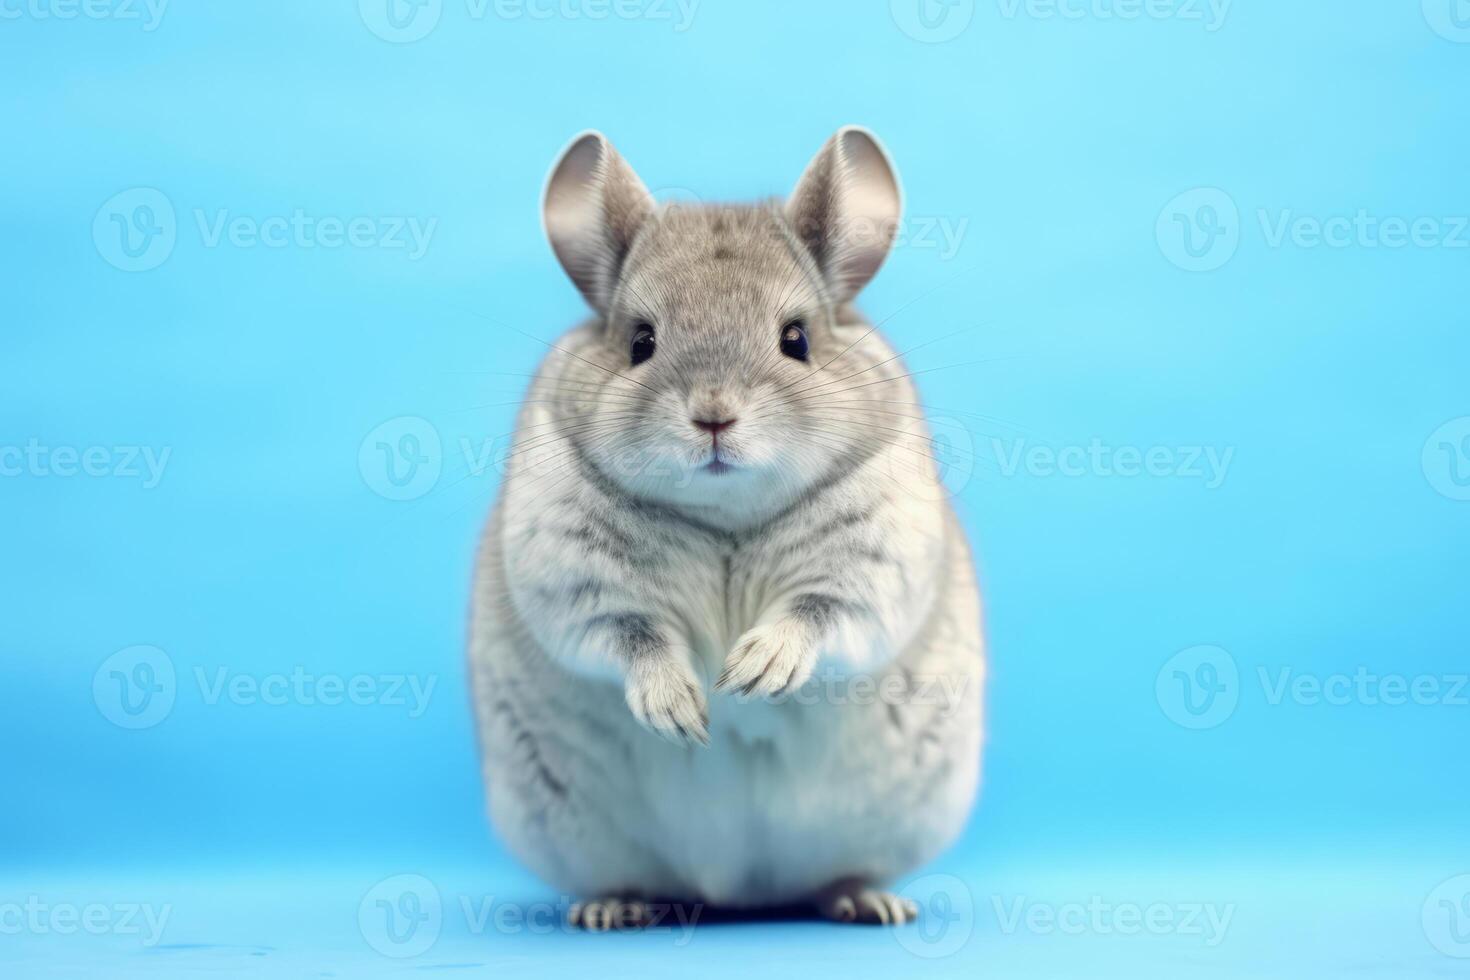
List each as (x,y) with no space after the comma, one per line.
(642,347)
(793,340)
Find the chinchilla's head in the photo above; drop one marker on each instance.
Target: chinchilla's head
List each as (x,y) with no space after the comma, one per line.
(721,333)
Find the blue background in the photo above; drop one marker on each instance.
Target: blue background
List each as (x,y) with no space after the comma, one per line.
(1053,146)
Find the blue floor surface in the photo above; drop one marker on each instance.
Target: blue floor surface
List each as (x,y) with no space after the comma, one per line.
(1285,921)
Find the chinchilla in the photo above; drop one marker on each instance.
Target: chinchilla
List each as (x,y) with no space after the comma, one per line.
(725,642)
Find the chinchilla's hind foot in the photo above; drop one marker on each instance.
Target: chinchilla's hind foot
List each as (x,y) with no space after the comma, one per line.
(853,901)
(610,914)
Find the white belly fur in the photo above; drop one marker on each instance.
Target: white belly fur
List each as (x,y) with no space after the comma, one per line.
(786,799)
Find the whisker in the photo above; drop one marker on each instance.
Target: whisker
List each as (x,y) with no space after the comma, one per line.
(555,347)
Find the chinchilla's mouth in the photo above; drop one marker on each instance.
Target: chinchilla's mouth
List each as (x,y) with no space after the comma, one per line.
(718,462)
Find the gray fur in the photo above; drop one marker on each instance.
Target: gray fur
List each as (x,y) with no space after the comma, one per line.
(825,554)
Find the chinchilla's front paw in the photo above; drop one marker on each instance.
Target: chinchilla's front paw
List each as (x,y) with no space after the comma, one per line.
(769,660)
(666,698)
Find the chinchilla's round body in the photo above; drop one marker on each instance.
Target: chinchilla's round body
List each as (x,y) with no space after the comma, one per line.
(725,644)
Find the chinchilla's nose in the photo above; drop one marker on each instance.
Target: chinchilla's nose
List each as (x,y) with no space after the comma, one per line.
(713,426)
(712,410)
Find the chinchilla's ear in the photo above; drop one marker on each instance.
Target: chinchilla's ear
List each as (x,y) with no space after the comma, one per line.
(593,207)
(846,209)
